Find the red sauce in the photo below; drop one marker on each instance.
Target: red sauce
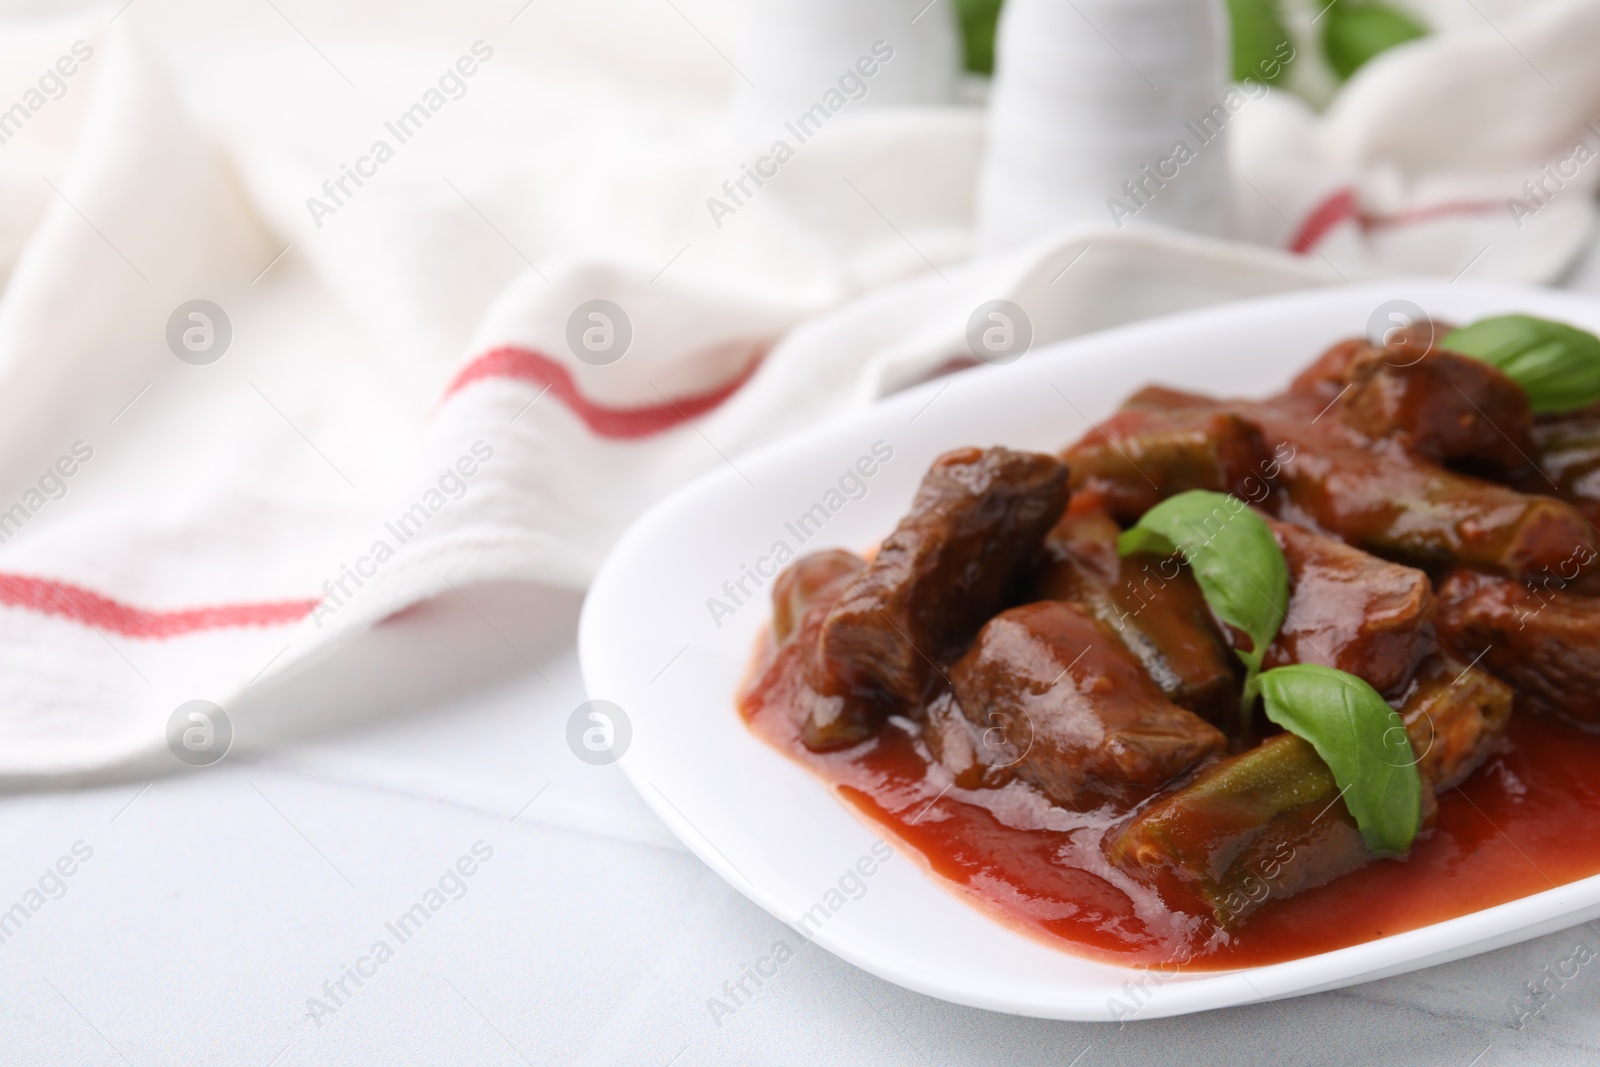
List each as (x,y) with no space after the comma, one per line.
(1521,824)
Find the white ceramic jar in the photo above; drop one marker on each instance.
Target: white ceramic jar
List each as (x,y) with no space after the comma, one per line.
(1090,102)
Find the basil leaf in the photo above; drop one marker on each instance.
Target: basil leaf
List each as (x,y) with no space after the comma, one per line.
(1558,365)
(1363,742)
(1356,32)
(1260,41)
(1234,558)
(978,19)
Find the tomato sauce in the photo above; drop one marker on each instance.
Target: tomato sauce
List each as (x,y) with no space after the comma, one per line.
(1522,823)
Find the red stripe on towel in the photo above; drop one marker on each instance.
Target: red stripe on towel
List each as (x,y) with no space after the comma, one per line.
(74,602)
(1341,207)
(67,601)
(620,423)
(1332,212)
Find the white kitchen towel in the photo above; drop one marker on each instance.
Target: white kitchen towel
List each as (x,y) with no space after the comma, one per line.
(312,313)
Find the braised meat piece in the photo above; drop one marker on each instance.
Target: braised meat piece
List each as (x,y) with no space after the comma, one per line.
(1407,508)
(1568,455)
(1142,455)
(803,595)
(1442,407)
(974,529)
(1072,711)
(1152,604)
(1166,398)
(1329,376)
(1543,640)
(977,755)
(1313,470)
(1351,610)
(802,581)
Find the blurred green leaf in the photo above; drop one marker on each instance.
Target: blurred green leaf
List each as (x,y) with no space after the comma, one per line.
(1558,365)
(1353,33)
(1260,41)
(978,19)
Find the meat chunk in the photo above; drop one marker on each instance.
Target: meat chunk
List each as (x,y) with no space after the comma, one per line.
(1454,715)
(1329,376)
(1153,605)
(1144,454)
(1264,824)
(1406,508)
(1443,407)
(1568,454)
(1166,398)
(802,581)
(1072,711)
(1313,470)
(977,756)
(1351,610)
(1542,640)
(974,529)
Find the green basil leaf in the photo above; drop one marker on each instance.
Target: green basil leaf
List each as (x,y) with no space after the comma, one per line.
(1558,365)
(1260,41)
(978,19)
(1354,33)
(1363,742)
(1234,558)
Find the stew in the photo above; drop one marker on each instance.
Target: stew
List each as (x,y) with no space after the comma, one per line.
(1063,729)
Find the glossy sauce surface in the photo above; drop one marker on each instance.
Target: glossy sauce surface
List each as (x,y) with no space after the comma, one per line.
(1519,825)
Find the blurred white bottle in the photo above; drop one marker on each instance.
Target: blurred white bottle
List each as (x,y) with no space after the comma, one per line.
(794,53)
(1089,94)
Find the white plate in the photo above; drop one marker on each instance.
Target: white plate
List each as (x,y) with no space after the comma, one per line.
(777,834)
